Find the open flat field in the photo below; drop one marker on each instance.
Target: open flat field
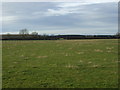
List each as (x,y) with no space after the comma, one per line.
(60,63)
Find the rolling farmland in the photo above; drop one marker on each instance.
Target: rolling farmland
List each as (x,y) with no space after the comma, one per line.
(60,63)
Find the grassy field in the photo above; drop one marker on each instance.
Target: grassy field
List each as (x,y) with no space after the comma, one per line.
(60,64)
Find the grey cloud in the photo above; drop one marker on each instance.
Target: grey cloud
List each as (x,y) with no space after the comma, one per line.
(50,16)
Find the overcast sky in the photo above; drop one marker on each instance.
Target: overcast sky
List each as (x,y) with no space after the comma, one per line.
(85,17)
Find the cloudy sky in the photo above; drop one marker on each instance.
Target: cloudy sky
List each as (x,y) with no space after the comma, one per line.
(85,17)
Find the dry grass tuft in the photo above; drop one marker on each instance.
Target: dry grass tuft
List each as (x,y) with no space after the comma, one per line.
(71,66)
(66,54)
(80,61)
(42,56)
(109,48)
(70,48)
(15,62)
(80,52)
(104,59)
(89,62)
(22,55)
(98,50)
(109,51)
(95,66)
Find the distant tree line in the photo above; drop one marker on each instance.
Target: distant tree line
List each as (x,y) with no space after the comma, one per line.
(24,35)
(56,37)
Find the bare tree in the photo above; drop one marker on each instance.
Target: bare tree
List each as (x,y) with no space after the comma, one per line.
(34,33)
(24,32)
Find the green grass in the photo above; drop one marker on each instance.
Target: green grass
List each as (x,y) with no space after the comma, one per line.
(60,64)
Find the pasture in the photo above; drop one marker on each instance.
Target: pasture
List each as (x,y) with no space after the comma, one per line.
(60,63)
